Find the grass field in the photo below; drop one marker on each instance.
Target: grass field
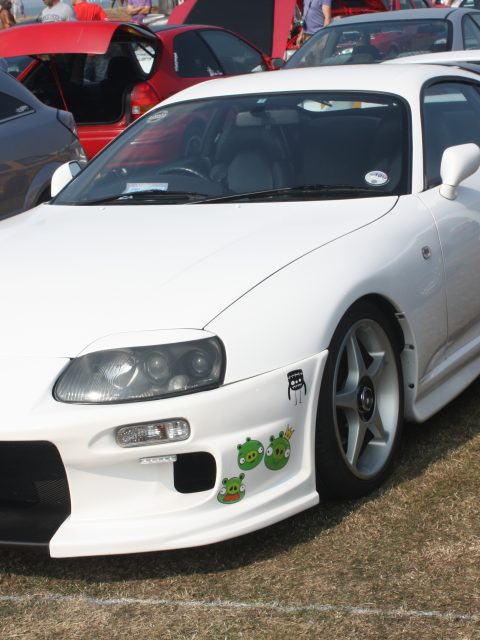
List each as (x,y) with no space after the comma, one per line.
(404,563)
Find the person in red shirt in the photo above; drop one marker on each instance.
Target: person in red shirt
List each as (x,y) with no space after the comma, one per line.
(88,10)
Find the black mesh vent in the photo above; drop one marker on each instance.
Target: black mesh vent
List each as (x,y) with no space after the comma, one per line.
(34,495)
(194,472)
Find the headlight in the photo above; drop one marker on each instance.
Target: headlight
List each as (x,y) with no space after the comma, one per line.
(142,373)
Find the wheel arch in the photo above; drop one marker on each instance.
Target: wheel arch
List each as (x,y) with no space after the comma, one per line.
(387,307)
(405,342)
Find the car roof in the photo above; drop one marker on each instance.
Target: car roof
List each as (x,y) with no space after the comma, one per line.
(431,13)
(182,27)
(468,55)
(159,29)
(92,37)
(403,80)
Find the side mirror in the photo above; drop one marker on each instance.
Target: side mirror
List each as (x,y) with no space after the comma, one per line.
(62,176)
(458,163)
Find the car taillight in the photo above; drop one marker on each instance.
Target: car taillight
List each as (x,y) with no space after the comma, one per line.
(142,98)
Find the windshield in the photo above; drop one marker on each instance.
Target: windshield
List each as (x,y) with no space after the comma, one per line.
(372,42)
(291,145)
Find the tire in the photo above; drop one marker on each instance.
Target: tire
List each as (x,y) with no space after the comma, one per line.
(360,408)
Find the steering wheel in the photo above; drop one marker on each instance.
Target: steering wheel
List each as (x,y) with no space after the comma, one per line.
(184,170)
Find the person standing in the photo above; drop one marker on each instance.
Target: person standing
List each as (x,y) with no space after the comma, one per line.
(138,9)
(6,18)
(57,11)
(18,9)
(316,15)
(88,10)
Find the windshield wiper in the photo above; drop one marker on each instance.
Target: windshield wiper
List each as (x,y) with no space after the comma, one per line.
(147,197)
(304,191)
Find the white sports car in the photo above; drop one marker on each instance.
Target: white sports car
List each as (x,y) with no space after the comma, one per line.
(230,310)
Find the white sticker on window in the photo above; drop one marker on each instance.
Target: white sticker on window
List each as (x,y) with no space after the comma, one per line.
(158,115)
(133,187)
(376,178)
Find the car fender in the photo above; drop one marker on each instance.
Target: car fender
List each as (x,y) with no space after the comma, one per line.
(293,314)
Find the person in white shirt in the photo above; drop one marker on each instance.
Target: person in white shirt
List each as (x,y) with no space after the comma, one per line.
(18,9)
(56,11)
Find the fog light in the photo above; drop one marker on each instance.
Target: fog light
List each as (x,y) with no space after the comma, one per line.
(137,435)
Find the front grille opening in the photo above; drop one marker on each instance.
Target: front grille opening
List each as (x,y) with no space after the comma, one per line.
(34,494)
(193,472)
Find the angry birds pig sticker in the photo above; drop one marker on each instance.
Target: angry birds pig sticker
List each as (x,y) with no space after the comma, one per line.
(250,454)
(278,451)
(233,490)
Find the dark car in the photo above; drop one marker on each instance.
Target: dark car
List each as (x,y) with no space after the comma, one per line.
(383,36)
(34,141)
(110,73)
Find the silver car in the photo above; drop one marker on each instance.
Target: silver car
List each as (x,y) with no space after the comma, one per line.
(34,141)
(376,37)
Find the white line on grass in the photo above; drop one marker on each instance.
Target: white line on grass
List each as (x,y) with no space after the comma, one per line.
(228,604)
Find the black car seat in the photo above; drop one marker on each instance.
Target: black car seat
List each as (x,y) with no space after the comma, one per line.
(252,158)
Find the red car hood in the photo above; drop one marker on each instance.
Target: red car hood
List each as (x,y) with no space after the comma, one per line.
(264,23)
(64,37)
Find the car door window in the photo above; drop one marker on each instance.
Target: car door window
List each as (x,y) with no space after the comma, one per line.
(235,55)
(192,58)
(451,116)
(471,33)
(10,107)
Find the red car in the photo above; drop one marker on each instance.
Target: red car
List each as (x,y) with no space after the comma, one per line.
(109,73)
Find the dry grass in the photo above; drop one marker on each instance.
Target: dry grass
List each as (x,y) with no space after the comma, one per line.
(118,13)
(414,547)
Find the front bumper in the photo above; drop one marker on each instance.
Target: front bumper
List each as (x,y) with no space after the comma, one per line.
(117,505)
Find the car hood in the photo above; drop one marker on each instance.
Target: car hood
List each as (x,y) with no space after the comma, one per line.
(74,275)
(67,37)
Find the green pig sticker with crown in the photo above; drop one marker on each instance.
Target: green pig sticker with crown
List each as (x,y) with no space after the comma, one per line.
(250,454)
(278,452)
(233,490)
